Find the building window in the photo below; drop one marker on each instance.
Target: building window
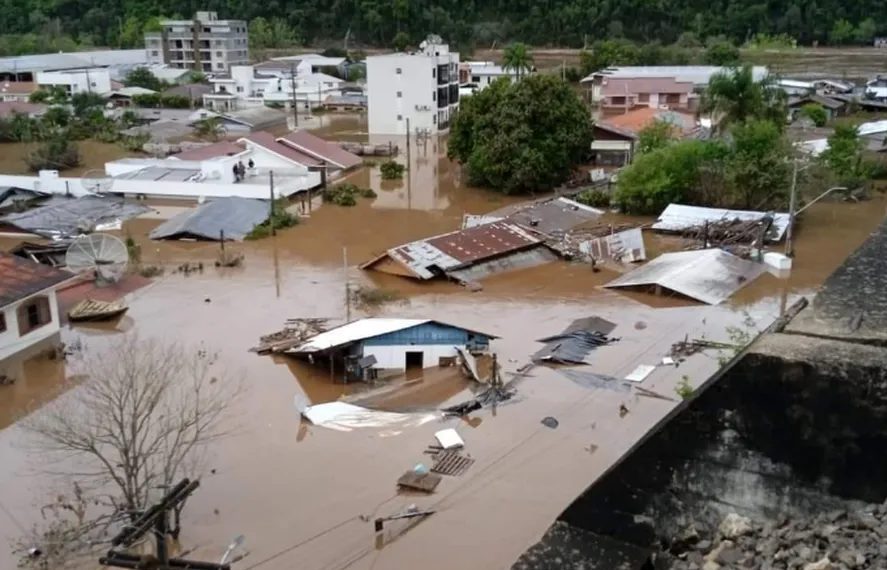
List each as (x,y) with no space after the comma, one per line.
(33,314)
(218,54)
(644,98)
(400,117)
(400,94)
(434,95)
(398,71)
(434,119)
(617,101)
(673,98)
(2,322)
(475,78)
(154,53)
(220,65)
(239,89)
(433,72)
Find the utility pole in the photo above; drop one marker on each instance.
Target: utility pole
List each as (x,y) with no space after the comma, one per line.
(271,207)
(347,285)
(792,205)
(294,103)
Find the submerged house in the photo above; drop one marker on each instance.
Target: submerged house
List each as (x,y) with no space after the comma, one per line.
(368,348)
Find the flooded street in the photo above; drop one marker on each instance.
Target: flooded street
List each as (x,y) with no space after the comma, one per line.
(305,496)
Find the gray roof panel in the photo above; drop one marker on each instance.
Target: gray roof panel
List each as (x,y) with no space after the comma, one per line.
(235,216)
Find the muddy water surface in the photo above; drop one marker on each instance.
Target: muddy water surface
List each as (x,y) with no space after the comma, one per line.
(280,482)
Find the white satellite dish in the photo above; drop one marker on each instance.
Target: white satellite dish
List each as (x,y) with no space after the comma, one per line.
(105,255)
(96,181)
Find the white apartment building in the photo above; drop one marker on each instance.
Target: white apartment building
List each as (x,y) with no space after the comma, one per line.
(246,87)
(204,44)
(420,89)
(89,80)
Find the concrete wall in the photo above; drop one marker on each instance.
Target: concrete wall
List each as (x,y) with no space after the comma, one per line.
(10,341)
(96,80)
(394,356)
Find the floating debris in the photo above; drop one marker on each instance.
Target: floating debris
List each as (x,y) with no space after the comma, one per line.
(94,310)
(294,333)
(550,422)
(425,482)
(451,463)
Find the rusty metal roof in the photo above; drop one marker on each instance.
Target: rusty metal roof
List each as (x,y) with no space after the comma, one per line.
(20,278)
(462,248)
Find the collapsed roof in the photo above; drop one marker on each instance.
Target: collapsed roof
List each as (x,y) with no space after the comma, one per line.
(234,216)
(678,217)
(61,216)
(709,275)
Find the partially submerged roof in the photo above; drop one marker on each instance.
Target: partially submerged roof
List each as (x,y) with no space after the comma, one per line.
(678,217)
(576,342)
(270,143)
(194,91)
(551,216)
(12,197)
(223,148)
(131,92)
(709,275)
(234,216)
(20,278)
(827,102)
(61,217)
(321,149)
(432,256)
(256,117)
(363,329)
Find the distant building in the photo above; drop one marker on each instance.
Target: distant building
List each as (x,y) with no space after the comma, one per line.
(73,81)
(674,86)
(480,74)
(117,62)
(245,86)
(17,91)
(204,44)
(615,137)
(876,88)
(29,309)
(880,42)
(419,89)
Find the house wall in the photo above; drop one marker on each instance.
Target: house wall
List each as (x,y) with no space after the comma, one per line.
(94,80)
(433,340)
(393,357)
(10,341)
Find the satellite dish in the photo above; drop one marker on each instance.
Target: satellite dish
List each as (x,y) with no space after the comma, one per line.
(96,181)
(235,544)
(105,255)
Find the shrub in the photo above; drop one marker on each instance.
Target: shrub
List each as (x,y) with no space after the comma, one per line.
(280,218)
(815,113)
(373,297)
(392,170)
(55,154)
(684,389)
(594,198)
(346,194)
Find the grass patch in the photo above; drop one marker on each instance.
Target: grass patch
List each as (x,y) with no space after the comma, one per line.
(368,297)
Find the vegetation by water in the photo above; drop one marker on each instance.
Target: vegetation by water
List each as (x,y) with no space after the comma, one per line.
(521,137)
(33,25)
(346,194)
(280,218)
(392,170)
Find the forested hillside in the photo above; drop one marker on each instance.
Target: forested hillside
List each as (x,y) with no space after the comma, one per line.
(479,23)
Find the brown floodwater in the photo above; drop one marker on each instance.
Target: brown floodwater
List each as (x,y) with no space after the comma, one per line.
(297,491)
(93,155)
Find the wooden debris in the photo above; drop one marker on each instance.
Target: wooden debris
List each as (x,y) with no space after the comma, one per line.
(294,333)
(451,463)
(685,348)
(94,310)
(425,482)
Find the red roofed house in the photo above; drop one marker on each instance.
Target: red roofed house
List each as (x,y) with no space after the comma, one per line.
(615,136)
(331,154)
(620,95)
(29,310)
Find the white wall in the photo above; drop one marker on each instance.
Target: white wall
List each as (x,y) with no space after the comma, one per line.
(11,342)
(394,357)
(417,86)
(95,80)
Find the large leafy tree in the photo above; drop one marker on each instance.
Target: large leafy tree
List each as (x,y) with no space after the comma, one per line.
(521,137)
(843,157)
(734,96)
(758,170)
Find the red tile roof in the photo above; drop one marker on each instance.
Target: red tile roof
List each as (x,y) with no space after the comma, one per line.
(616,87)
(322,149)
(20,278)
(224,148)
(269,142)
(637,120)
(7,108)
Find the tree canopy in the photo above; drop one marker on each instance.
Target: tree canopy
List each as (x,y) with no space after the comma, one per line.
(573,23)
(521,137)
(734,96)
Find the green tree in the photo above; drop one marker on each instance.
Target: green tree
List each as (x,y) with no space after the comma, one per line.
(607,53)
(521,137)
(655,136)
(401,41)
(84,104)
(734,96)
(722,53)
(816,113)
(210,128)
(758,169)
(132,33)
(865,31)
(142,77)
(517,58)
(58,153)
(843,157)
(56,117)
(259,33)
(843,32)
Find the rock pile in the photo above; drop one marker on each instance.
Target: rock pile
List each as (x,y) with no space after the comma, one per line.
(837,540)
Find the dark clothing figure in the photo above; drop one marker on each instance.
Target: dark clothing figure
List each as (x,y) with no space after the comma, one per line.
(236,171)
(251,164)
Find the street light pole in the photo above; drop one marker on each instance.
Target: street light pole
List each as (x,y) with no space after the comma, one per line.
(793,200)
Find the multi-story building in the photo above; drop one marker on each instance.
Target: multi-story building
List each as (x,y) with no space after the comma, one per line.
(246,87)
(419,89)
(204,44)
(73,81)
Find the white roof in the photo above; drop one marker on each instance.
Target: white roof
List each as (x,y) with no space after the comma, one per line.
(794,83)
(708,275)
(696,74)
(491,69)
(872,128)
(132,91)
(73,60)
(816,147)
(320,78)
(356,330)
(167,73)
(678,217)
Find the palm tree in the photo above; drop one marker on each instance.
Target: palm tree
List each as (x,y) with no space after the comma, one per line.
(210,128)
(517,57)
(733,96)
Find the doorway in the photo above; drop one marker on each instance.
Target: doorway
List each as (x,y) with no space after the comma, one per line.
(414,360)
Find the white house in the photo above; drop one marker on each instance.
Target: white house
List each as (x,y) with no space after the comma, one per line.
(29,311)
(482,73)
(419,89)
(308,63)
(246,87)
(876,88)
(87,80)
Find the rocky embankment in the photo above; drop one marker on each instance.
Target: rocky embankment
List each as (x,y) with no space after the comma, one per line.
(836,540)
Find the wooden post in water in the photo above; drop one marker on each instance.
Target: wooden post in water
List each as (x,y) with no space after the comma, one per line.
(271,207)
(222,243)
(347,285)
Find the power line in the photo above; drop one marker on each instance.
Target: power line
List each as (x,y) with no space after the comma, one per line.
(289,549)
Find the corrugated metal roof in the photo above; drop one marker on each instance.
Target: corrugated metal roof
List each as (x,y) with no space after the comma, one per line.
(709,275)
(363,329)
(20,277)
(697,74)
(73,60)
(550,216)
(62,217)
(678,217)
(233,215)
(321,149)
